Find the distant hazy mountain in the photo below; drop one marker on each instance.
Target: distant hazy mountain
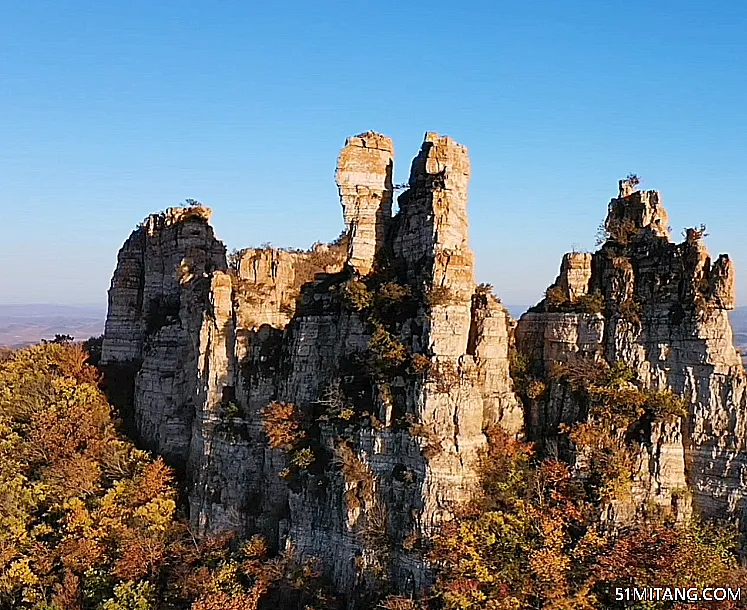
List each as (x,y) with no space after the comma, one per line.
(516,311)
(739,318)
(24,324)
(739,325)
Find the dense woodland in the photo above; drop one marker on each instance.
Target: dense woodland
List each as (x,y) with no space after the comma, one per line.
(89,521)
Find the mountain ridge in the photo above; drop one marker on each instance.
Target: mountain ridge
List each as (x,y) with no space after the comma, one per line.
(25,324)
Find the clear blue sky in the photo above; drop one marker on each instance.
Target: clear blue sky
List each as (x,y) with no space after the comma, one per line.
(112,110)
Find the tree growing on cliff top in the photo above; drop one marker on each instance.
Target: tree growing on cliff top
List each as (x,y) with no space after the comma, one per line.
(633,180)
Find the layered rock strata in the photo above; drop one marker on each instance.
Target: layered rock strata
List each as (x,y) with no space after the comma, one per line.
(664,314)
(364,181)
(157,299)
(393,359)
(389,364)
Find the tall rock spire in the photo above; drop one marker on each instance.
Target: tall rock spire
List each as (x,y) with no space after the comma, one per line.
(395,373)
(364,181)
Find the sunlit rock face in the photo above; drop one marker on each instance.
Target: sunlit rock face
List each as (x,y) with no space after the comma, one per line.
(364,181)
(394,443)
(665,315)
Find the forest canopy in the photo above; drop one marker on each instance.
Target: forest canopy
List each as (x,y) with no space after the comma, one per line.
(89,521)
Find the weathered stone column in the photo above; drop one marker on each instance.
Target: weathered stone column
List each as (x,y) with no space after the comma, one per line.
(575,274)
(364,180)
(635,210)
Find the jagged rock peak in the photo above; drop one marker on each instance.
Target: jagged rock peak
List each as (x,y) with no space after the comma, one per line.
(723,282)
(176,215)
(640,215)
(433,227)
(660,308)
(443,158)
(364,181)
(634,212)
(211,345)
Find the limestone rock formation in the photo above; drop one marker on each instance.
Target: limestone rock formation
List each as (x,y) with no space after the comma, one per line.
(337,399)
(156,301)
(634,212)
(574,276)
(364,180)
(664,313)
(393,361)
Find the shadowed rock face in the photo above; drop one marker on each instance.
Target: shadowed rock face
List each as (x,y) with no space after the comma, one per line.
(665,314)
(394,447)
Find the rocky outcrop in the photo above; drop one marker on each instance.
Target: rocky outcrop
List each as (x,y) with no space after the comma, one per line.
(636,212)
(268,281)
(393,361)
(664,313)
(575,274)
(156,304)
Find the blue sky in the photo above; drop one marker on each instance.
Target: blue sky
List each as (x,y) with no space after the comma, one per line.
(112,110)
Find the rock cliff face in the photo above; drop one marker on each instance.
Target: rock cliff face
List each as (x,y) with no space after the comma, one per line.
(156,302)
(664,314)
(380,347)
(364,180)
